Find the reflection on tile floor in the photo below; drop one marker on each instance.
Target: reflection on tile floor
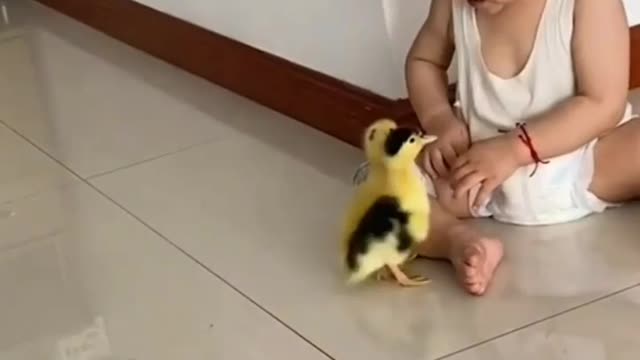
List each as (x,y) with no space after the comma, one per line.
(146,214)
(83,260)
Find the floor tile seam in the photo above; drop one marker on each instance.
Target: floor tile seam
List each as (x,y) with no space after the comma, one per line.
(153,158)
(40,189)
(215,138)
(542,320)
(174,245)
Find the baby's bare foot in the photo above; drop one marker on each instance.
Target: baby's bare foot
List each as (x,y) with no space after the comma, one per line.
(475,258)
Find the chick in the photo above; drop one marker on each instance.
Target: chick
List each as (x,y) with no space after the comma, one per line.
(389,214)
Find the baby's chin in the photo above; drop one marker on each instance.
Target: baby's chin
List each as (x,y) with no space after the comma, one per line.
(486,6)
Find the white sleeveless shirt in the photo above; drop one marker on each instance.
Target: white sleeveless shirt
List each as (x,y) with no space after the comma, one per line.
(558,192)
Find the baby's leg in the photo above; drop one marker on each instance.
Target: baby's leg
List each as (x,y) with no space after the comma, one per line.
(473,255)
(617,164)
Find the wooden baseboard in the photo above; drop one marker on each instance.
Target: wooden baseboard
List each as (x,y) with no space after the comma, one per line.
(325,103)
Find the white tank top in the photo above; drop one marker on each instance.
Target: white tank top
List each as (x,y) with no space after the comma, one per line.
(490,103)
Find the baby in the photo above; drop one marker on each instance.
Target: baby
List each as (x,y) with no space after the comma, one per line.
(541,133)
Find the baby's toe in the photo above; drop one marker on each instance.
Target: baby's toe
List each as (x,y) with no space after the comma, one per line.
(477,289)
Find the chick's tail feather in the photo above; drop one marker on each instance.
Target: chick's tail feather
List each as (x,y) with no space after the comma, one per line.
(390,249)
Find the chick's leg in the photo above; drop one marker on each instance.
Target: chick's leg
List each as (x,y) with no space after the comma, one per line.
(384,274)
(405,280)
(412,256)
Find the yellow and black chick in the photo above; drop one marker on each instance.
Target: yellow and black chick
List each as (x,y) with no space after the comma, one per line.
(389,214)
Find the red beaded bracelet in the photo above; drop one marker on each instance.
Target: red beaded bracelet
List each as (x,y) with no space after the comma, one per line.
(526,140)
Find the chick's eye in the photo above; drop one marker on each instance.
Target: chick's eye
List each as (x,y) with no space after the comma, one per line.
(412,140)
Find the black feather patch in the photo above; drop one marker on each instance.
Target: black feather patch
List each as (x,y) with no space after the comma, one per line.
(372,134)
(396,139)
(378,222)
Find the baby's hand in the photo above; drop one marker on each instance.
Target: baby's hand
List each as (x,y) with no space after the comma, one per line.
(453,141)
(489,162)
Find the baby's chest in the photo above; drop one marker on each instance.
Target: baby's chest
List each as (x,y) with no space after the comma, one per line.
(508,41)
(506,54)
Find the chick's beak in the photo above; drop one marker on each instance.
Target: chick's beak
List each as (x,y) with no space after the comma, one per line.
(427,139)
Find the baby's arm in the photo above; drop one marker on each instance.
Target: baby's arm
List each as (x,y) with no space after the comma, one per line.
(426,69)
(427,64)
(601,62)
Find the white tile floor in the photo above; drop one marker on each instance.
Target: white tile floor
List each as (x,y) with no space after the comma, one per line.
(146,214)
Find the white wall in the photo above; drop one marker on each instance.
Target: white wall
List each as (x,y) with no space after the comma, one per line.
(346,39)
(403,20)
(633,11)
(363,42)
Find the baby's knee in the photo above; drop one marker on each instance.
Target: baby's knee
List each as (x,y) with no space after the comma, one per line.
(456,206)
(636,136)
(634,144)
(440,191)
